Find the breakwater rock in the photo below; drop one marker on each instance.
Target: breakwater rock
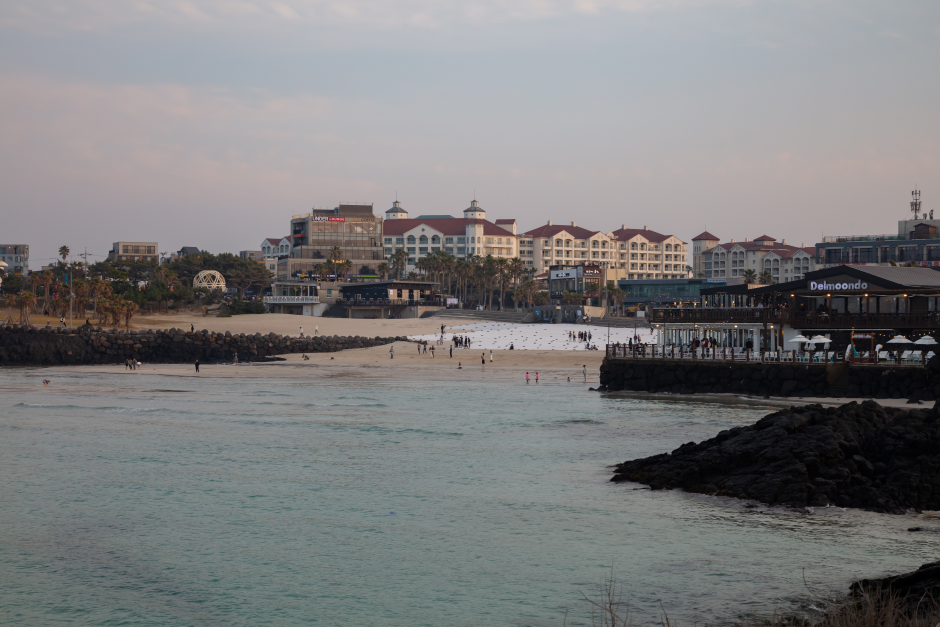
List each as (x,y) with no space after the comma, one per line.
(770,379)
(857,455)
(20,345)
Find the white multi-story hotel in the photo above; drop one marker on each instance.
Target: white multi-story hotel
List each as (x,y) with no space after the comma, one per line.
(784,262)
(635,253)
(472,235)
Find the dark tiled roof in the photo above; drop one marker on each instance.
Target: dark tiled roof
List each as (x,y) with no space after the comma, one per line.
(551,230)
(652,236)
(705,235)
(765,238)
(447,226)
(505,221)
(908,277)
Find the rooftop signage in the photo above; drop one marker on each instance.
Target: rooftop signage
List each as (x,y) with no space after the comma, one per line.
(327,219)
(823,286)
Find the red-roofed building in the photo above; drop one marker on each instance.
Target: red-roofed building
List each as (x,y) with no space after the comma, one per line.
(731,261)
(622,254)
(469,236)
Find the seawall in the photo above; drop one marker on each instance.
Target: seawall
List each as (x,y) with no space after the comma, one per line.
(801,380)
(20,345)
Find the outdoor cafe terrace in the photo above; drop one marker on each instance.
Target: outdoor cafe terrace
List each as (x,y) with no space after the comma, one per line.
(845,297)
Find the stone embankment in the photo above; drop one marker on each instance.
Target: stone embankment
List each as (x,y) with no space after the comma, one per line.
(857,455)
(914,592)
(20,345)
(703,377)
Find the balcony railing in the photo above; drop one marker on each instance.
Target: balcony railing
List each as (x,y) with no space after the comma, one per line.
(292,300)
(797,320)
(717,314)
(863,321)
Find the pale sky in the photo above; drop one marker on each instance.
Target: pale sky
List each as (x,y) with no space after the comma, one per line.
(210,123)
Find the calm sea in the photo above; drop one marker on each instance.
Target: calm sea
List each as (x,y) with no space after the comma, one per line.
(156,500)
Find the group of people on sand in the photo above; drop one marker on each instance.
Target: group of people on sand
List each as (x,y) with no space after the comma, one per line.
(581,336)
(131,364)
(461,341)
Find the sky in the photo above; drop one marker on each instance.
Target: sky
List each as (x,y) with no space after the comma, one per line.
(210,123)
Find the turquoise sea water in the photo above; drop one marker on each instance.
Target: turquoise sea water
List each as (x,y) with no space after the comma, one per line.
(155,500)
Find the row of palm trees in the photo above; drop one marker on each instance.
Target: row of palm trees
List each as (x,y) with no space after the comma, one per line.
(112,310)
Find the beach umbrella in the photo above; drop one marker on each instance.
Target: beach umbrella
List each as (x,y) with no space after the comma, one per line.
(899,339)
(818,339)
(799,339)
(926,340)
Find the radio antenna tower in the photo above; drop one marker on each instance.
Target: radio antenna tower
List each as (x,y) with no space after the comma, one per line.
(915,203)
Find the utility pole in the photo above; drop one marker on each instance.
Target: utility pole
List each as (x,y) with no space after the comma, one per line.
(71,292)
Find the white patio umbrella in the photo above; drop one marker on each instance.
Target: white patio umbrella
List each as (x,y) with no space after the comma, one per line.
(799,339)
(926,340)
(899,339)
(819,339)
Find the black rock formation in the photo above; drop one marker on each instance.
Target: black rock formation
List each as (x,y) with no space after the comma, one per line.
(21,345)
(914,591)
(857,455)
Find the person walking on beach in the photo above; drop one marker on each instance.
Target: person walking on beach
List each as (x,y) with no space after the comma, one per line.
(536,377)
(301,331)
(391,352)
(127,364)
(451,352)
(235,358)
(491,355)
(432,352)
(197,364)
(425,349)
(584,372)
(527,378)
(483,358)
(62,322)
(192,328)
(316,330)
(442,329)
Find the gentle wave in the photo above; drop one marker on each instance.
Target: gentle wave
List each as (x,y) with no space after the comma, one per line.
(101,409)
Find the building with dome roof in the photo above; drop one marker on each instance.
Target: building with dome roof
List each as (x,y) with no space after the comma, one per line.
(472,235)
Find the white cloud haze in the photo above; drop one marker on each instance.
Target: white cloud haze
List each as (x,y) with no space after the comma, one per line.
(207,124)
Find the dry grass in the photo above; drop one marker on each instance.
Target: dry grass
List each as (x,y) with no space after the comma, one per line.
(873,609)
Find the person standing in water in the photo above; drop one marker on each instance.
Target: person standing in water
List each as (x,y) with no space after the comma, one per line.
(527,378)
(197,365)
(584,372)
(483,358)
(536,377)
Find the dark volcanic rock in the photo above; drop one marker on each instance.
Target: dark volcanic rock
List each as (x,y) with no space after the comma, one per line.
(913,590)
(857,455)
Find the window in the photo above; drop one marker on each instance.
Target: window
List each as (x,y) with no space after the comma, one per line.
(594,244)
(633,246)
(423,250)
(411,250)
(411,240)
(388,251)
(461,250)
(603,244)
(461,240)
(557,242)
(435,239)
(388,241)
(448,240)
(489,240)
(400,241)
(423,240)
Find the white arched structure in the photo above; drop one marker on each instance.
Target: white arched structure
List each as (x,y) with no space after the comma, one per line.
(209,279)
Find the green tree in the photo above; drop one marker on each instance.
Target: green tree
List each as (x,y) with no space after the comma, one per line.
(64,253)
(750,276)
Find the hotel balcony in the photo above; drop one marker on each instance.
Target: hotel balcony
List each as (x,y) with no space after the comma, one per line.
(291,300)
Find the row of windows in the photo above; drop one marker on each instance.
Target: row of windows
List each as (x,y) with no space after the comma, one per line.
(139,250)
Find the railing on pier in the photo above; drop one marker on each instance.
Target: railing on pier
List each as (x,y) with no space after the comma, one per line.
(718,314)
(798,320)
(292,300)
(652,352)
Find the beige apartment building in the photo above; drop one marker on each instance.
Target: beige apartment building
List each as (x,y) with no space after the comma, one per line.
(784,262)
(622,254)
(133,251)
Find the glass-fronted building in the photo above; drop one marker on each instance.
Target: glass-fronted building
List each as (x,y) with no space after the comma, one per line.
(354,229)
(665,291)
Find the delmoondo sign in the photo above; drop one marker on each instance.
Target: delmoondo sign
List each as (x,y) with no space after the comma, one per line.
(831,287)
(328,218)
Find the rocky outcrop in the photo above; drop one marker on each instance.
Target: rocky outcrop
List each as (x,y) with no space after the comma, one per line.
(20,345)
(857,455)
(914,591)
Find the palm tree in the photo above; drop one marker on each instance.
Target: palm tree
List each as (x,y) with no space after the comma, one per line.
(336,253)
(383,270)
(11,303)
(766,278)
(35,279)
(27,300)
(47,283)
(64,253)
(80,289)
(399,261)
(750,276)
(501,272)
(128,309)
